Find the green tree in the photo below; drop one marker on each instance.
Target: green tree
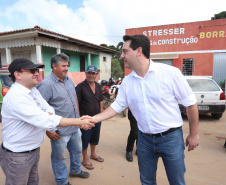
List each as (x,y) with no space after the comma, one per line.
(221,15)
(116,70)
(104,45)
(118,54)
(112,47)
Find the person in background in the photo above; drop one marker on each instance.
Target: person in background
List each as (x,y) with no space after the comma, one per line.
(90,100)
(59,91)
(152,92)
(25,118)
(132,136)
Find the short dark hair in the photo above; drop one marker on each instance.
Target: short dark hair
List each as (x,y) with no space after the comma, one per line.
(139,41)
(57,58)
(13,78)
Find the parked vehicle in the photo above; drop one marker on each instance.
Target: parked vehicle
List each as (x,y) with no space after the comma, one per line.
(5,84)
(110,91)
(210,97)
(118,82)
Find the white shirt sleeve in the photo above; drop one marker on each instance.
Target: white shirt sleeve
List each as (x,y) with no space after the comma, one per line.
(182,90)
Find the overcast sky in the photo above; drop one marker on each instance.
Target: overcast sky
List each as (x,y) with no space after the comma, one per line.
(102,21)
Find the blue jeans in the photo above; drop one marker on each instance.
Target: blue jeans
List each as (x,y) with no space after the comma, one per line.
(170,147)
(73,143)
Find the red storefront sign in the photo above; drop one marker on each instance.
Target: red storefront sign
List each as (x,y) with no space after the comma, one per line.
(203,35)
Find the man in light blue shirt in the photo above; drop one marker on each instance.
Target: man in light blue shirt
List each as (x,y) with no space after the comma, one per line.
(152,92)
(59,91)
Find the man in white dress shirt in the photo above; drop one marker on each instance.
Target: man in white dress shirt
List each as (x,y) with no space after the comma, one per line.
(152,92)
(25,118)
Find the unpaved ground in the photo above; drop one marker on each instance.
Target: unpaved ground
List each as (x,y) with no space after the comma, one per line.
(205,166)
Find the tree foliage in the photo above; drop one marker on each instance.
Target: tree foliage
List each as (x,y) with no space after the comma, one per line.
(117,64)
(116,70)
(104,45)
(221,15)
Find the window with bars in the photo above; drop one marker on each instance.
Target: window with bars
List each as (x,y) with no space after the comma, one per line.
(187,66)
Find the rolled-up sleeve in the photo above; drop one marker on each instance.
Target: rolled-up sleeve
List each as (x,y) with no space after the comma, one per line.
(54,121)
(182,90)
(190,100)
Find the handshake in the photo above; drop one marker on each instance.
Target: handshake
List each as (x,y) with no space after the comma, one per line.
(84,122)
(87,122)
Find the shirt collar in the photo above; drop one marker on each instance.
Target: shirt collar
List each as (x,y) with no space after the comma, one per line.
(57,79)
(152,67)
(85,82)
(24,89)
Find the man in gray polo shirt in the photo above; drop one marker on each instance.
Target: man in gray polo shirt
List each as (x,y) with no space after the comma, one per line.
(59,91)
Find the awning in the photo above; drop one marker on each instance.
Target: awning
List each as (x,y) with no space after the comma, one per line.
(163,55)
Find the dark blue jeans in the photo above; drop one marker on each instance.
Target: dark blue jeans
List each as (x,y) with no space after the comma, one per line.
(170,147)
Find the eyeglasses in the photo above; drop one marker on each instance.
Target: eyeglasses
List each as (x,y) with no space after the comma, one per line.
(31,70)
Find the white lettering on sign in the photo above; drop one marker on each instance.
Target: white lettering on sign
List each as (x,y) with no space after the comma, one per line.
(160,32)
(173,31)
(187,41)
(180,31)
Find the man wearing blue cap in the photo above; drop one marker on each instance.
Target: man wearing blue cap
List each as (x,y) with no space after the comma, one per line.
(90,100)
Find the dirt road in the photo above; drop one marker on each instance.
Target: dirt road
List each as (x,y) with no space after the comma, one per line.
(205,166)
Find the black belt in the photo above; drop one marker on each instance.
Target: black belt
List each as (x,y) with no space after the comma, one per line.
(166,132)
(17,152)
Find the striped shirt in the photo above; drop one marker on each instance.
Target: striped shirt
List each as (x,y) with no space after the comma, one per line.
(62,97)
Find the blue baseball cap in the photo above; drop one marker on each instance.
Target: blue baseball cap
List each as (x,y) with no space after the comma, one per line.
(91,68)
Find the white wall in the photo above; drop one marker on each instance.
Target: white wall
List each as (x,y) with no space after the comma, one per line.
(105,67)
(28,52)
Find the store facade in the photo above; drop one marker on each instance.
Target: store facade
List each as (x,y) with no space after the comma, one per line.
(196,48)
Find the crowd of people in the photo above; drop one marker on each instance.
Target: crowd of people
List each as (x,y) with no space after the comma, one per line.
(71,117)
